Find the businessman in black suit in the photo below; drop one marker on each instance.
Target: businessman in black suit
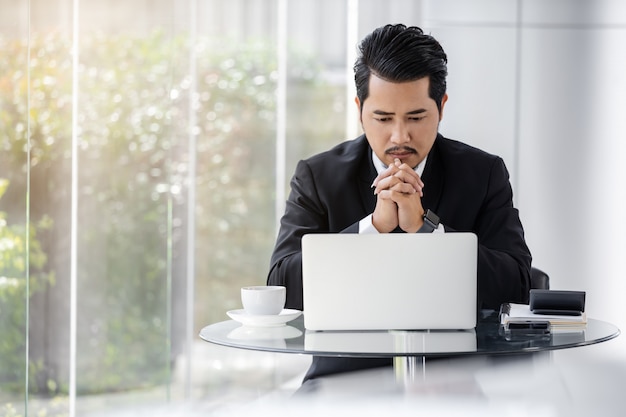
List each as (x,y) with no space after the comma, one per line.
(402,175)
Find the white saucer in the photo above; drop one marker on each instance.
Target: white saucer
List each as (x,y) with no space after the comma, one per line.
(263,321)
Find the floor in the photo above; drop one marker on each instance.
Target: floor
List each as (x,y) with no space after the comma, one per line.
(573,383)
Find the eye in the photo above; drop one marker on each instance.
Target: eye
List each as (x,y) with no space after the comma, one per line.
(416,119)
(382,119)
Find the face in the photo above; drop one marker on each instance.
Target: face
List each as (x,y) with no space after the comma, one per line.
(400,120)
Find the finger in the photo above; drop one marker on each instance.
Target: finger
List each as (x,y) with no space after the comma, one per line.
(388,183)
(404,188)
(410,178)
(400,177)
(409,206)
(407,173)
(386,195)
(392,169)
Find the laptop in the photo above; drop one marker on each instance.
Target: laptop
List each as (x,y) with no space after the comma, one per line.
(390,281)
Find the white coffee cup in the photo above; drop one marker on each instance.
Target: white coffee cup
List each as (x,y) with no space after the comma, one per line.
(263,300)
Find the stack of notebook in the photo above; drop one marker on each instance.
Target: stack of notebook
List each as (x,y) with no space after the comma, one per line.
(521,313)
(562,309)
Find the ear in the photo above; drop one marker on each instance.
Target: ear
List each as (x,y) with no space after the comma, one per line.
(358,108)
(444,99)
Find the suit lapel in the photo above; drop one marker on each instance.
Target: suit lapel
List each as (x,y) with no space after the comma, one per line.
(366,176)
(433,178)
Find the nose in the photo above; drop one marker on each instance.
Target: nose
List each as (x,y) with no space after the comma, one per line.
(400,133)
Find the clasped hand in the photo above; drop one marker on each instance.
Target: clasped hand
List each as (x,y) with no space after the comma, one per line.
(399,191)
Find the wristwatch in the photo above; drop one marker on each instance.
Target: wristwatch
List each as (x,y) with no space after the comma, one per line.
(431,222)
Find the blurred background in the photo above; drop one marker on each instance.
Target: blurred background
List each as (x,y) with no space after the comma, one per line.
(147,146)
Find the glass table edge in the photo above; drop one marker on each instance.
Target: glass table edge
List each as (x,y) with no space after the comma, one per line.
(388,354)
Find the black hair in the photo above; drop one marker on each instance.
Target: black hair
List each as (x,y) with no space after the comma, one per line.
(398,53)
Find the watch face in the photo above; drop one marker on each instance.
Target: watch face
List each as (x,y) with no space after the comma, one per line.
(432,218)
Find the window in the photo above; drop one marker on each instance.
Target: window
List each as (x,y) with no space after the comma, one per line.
(140,148)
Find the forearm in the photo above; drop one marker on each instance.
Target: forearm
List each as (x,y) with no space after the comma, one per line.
(287,272)
(286,266)
(503,277)
(503,269)
(303,214)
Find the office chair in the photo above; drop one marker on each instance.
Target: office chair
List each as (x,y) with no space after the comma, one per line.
(539,280)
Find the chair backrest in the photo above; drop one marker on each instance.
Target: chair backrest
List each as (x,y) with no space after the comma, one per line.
(539,280)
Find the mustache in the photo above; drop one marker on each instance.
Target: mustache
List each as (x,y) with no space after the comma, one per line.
(395,149)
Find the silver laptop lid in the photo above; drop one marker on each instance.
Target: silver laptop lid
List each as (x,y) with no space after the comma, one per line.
(389,281)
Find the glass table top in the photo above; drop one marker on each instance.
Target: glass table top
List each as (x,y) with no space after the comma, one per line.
(487,338)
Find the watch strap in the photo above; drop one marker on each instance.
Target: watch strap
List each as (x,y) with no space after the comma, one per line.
(431,222)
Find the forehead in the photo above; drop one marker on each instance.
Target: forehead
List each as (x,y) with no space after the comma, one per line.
(392,94)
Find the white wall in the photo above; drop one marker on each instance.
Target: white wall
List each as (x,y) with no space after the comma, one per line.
(542,84)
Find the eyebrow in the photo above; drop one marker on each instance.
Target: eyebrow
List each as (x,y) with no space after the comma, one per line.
(384,113)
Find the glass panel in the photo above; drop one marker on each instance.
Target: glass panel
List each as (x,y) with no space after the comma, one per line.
(172,108)
(34,113)
(14,244)
(134,92)
(316,89)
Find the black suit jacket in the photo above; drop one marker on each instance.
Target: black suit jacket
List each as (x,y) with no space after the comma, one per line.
(469,190)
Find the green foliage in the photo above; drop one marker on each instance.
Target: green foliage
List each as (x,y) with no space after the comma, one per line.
(16,256)
(139,122)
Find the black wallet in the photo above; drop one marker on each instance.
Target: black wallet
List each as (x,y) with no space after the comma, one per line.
(571,303)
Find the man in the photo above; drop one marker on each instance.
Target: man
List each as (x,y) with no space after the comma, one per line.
(399,173)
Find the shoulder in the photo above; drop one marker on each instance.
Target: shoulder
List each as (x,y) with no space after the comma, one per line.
(454,149)
(345,153)
(464,163)
(459,156)
(333,174)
